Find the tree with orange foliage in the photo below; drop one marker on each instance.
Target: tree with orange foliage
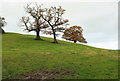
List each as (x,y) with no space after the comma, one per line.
(74,33)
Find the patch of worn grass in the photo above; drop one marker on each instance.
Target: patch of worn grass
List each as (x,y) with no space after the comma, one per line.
(22,54)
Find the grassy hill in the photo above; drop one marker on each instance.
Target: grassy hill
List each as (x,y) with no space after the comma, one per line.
(22,57)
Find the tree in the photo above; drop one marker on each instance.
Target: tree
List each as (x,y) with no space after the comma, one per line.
(34,22)
(74,33)
(2,24)
(53,16)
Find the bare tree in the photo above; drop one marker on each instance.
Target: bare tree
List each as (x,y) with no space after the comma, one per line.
(2,24)
(34,22)
(53,16)
(74,33)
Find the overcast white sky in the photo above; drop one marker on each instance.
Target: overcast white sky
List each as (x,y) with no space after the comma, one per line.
(98,19)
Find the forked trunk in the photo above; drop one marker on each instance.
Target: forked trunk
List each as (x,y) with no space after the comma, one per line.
(55,40)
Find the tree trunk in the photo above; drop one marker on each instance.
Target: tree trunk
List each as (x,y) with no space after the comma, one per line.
(55,40)
(2,31)
(38,36)
(75,41)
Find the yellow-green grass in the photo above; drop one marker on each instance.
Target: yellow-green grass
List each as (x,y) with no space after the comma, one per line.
(22,54)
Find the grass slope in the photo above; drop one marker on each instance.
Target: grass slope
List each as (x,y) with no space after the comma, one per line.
(22,54)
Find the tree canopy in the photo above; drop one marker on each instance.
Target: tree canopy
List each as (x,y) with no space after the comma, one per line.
(54,17)
(74,33)
(34,22)
(49,19)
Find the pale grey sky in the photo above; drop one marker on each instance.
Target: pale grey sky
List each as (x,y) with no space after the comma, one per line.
(98,19)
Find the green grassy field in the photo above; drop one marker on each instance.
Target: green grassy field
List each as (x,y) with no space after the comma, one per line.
(22,54)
